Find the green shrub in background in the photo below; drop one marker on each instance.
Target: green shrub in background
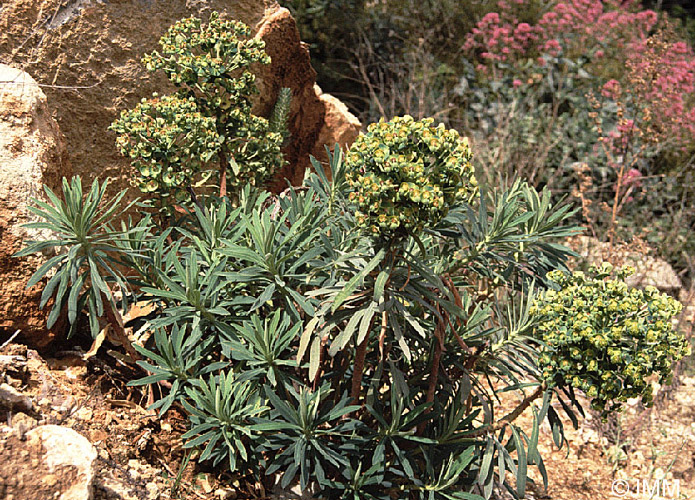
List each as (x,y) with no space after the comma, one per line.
(297,342)
(383,63)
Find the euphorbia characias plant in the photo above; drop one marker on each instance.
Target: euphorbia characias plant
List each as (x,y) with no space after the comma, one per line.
(604,338)
(355,332)
(207,125)
(407,174)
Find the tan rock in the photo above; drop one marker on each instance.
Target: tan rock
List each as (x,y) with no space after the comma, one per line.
(31,154)
(69,456)
(90,52)
(649,270)
(292,492)
(13,400)
(340,126)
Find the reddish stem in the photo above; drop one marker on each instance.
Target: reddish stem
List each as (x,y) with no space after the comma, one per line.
(438,349)
(224,163)
(360,356)
(511,416)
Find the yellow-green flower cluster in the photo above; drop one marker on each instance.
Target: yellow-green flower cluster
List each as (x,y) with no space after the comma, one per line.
(406,174)
(169,142)
(210,64)
(206,55)
(605,338)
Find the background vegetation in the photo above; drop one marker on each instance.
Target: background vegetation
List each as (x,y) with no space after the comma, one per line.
(525,80)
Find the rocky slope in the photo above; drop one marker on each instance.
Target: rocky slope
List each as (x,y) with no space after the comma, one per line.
(32,153)
(86,53)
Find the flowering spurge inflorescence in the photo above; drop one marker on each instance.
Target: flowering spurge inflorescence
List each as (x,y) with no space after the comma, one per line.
(169,141)
(607,339)
(193,54)
(210,65)
(406,174)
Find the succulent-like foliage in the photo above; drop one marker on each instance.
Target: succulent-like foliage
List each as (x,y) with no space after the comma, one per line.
(303,427)
(222,412)
(281,112)
(169,141)
(605,338)
(208,122)
(79,275)
(407,174)
(366,364)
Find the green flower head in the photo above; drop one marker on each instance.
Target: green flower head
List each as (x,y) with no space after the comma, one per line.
(406,175)
(621,335)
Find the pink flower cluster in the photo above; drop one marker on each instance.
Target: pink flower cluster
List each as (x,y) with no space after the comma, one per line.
(589,22)
(611,89)
(499,36)
(612,29)
(620,139)
(667,86)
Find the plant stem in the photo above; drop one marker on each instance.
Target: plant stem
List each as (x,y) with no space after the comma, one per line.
(438,349)
(360,356)
(511,416)
(224,163)
(382,334)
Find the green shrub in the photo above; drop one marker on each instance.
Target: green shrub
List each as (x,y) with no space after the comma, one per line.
(172,138)
(369,367)
(606,339)
(169,142)
(391,401)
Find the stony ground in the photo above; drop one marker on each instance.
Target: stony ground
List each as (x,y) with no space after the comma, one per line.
(617,459)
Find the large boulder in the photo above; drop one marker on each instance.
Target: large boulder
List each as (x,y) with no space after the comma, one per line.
(339,125)
(31,154)
(89,51)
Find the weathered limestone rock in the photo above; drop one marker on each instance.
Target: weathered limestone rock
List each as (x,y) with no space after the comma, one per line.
(649,270)
(339,125)
(89,50)
(49,461)
(67,449)
(31,154)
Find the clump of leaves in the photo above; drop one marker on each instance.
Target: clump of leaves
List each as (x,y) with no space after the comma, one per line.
(172,138)
(169,141)
(78,276)
(604,338)
(407,174)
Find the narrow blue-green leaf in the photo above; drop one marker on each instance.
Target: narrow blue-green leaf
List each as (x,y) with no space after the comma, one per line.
(521,475)
(352,284)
